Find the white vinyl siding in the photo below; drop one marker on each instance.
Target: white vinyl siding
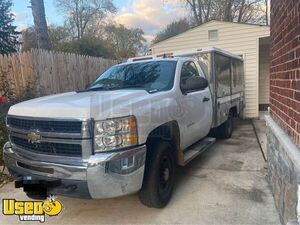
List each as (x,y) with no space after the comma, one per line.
(240,39)
(264,75)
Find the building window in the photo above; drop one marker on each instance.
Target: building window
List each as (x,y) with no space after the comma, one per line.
(213,35)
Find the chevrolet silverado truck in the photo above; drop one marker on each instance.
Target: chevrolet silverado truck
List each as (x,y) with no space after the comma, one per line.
(128,130)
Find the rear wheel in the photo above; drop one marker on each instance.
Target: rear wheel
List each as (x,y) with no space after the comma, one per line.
(225,130)
(159,176)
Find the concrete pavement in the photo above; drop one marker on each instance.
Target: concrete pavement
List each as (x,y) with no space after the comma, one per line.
(225,185)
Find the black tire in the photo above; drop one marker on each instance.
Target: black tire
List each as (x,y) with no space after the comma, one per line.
(159,176)
(225,130)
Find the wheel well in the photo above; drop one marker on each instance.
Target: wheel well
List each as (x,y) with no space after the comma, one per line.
(234,111)
(168,132)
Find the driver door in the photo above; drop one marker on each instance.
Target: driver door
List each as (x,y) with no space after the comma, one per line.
(197,106)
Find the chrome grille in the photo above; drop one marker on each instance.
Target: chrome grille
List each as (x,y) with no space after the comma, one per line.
(48,148)
(55,137)
(45,125)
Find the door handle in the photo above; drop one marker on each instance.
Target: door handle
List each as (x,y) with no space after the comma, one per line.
(206,99)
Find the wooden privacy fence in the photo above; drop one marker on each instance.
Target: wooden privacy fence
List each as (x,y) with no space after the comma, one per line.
(51,72)
(16,70)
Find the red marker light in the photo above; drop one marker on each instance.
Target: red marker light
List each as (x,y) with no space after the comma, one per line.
(3,100)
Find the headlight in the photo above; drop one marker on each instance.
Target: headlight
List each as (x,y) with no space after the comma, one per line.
(114,134)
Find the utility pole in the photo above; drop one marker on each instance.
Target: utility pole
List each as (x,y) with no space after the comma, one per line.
(40,24)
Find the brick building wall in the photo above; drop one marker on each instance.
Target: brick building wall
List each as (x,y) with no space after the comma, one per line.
(285,66)
(283,126)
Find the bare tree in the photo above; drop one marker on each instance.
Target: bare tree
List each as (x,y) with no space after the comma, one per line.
(200,13)
(38,12)
(81,12)
(228,10)
(241,11)
(208,6)
(196,10)
(267,12)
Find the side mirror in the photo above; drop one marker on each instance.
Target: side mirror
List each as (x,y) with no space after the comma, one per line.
(194,84)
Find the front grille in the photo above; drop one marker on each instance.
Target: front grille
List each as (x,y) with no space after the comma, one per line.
(73,150)
(45,125)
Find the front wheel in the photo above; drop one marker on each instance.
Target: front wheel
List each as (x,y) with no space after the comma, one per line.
(159,176)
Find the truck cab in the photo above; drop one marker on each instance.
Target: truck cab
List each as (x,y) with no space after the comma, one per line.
(127,131)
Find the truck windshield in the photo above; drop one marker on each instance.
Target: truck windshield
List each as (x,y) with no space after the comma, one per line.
(150,76)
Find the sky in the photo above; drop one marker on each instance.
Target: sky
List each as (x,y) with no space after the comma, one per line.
(149,15)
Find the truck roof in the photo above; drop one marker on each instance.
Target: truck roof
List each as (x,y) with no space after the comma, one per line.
(210,49)
(186,53)
(151,58)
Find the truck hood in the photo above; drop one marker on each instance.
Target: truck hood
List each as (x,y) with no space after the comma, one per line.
(84,105)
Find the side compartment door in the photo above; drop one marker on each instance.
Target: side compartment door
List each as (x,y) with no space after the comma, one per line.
(223,78)
(197,106)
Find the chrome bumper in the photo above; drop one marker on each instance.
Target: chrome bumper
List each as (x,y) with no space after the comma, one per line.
(103,175)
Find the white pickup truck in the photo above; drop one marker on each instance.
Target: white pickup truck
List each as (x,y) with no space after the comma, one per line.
(127,131)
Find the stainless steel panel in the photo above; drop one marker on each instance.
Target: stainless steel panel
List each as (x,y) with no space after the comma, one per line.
(225,74)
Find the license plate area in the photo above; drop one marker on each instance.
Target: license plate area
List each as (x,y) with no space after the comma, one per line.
(37,189)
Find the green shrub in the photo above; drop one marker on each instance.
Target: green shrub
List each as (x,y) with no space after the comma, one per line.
(3,133)
(6,90)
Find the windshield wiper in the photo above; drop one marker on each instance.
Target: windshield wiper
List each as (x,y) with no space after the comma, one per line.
(111,88)
(94,89)
(128,86)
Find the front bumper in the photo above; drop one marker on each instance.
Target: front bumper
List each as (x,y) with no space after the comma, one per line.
(103,175)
